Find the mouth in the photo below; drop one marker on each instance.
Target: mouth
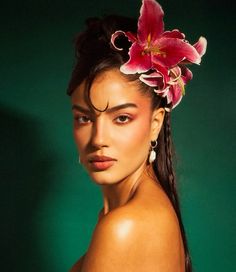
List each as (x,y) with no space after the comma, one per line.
(101,163)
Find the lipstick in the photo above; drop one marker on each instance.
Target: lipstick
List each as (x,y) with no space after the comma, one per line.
(101,163)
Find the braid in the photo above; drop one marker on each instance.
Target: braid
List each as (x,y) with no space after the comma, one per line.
(169,162)
(165,173)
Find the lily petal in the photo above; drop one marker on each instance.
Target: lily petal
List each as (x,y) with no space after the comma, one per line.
(175,33)
(131,37)
(173,51)
(175,74)
(153,80)
(174,95)
(187,75)
(138,62)
(162,93)
(201,46)
(161,69)
(150,23)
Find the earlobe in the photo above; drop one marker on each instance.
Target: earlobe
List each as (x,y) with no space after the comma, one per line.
(157,121)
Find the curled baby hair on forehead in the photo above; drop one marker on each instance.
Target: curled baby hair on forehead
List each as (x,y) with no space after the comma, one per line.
(146,91)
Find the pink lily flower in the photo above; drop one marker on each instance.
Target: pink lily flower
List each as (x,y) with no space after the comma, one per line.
(152,46)
(174,86)
(158,77)
(179,77)
(159,57)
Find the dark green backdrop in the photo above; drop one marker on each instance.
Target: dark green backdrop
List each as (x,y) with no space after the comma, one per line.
(48,205)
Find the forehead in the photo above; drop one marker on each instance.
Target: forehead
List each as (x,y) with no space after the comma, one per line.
(111,88)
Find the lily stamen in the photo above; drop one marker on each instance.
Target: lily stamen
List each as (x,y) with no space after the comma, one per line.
(154,51)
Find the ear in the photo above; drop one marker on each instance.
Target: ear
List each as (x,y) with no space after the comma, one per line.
(156,123)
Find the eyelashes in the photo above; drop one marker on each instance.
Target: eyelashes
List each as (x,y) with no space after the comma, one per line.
(119,120)
(123,119)
(82,119)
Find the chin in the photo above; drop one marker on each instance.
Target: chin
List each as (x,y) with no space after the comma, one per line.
(104,178)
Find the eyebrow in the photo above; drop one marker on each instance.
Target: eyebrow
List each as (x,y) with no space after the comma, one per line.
(109,110)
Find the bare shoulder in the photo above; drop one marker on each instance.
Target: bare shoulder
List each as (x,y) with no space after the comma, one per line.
(140,236)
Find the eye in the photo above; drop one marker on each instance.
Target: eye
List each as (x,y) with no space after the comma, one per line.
(123,119)
(83,119)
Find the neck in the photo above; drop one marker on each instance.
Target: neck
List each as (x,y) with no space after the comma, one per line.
(118,194)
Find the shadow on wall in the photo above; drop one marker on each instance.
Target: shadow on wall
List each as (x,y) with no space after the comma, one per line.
(25,175)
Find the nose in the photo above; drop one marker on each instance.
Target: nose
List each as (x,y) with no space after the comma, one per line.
(100,133)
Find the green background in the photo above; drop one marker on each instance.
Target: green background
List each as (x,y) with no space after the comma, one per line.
(48,204)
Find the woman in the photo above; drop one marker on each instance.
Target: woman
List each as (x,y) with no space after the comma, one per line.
(123,88)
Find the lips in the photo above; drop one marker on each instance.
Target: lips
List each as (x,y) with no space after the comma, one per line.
(101,163)
(101,158)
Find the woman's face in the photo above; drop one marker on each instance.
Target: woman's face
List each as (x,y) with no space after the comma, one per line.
(114,144)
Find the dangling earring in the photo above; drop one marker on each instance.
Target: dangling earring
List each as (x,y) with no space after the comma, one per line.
(152,155)
(79,159)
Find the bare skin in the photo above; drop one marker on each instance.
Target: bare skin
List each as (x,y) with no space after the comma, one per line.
(159,246)
(137,228)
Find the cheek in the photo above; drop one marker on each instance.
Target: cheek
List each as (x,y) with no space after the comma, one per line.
(134,139)
(81,138)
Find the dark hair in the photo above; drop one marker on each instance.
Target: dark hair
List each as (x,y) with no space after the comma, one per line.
(94,55)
